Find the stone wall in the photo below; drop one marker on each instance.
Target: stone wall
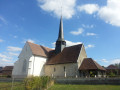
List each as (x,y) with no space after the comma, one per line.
(62,70)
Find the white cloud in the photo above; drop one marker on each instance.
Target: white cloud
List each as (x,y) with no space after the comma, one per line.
(89,8)
(3,20)
(78,32)
(2,56)
(90,34)
(114,61)
(68,43)
(5,59)
(11,48)
(1,40)
(8,58)
(54,6)
(29,40)
(4,63)
(87,26)
(89,46)
(13,54)
(111,12)
(104,60)
(110,61)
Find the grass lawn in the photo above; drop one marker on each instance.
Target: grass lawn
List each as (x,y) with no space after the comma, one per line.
(19,86)
(85,87)
(8,86)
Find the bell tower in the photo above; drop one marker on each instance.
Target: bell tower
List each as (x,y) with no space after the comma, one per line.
(60,43)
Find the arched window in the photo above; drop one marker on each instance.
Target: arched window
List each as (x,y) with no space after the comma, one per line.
(24,66)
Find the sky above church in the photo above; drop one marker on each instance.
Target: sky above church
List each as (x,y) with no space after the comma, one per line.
(95,23)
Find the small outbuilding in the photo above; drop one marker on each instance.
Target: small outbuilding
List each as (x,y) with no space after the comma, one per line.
(90,68)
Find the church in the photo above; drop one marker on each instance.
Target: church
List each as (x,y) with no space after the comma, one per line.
(72,61)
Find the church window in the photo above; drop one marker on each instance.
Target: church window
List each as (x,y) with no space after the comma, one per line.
(54,69)
(64,68)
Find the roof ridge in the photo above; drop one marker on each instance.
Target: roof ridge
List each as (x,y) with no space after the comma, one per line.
(39,45)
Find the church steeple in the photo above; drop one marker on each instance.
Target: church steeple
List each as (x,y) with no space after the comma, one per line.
(61,37)
(60,43)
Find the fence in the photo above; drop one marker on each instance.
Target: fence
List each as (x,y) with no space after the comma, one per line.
(89,81)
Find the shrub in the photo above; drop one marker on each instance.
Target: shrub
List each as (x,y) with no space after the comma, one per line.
(38,83)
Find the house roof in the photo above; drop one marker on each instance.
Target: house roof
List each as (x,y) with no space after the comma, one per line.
(90,64)
(7,68)
(111,67)
(39,50)
(68,55)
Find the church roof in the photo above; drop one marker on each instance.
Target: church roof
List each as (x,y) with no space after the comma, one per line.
(39,50)
(68,55)
(90,64)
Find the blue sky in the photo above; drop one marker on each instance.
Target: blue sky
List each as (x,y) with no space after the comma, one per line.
(96,23)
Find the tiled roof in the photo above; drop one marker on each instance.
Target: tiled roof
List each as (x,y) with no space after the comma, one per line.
(90,64)
(39,50)
(68,55)
(111,67)
(7,68)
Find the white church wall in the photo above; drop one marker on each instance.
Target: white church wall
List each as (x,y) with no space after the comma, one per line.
(36,66)
(16,68)
(62,70)
(20,69)
(82,55)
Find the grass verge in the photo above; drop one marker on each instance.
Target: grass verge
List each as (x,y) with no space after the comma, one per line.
(20,86)
(8,86)
(84,87)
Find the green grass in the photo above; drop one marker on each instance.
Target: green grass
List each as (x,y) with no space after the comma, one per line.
(84,87)
(20,86)
(8,86)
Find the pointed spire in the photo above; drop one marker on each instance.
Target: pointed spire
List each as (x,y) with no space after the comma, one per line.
(60,43)
(61,36)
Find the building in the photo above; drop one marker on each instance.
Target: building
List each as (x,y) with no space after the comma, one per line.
(91,68)
(7,71)
(37,60)
(112,70)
